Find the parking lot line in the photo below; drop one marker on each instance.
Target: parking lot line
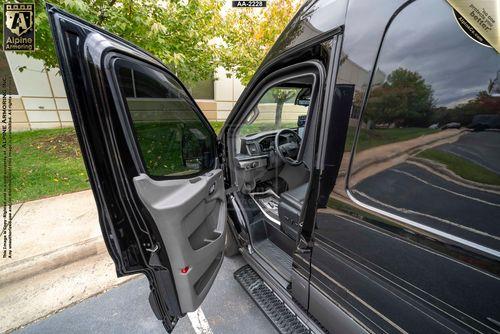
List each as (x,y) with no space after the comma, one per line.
(199,322)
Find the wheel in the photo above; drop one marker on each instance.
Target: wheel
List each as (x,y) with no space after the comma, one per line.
(231,245)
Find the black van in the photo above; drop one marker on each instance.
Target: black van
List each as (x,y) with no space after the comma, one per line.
(353,213)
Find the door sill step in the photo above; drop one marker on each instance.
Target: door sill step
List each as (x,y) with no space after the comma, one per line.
(273,307)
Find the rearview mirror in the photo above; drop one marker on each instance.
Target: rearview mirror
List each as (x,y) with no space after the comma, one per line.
(303,97)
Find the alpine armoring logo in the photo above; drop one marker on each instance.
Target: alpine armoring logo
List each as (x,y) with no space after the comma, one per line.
(19,27)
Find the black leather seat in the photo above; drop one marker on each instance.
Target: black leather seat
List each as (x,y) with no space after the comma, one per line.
(289,209)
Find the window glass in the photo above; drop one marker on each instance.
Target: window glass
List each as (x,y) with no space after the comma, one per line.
(280,107)
(203,89)
(429,138)
(171,136)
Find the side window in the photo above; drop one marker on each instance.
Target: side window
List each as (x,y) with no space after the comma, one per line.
(428,145)
(172,138)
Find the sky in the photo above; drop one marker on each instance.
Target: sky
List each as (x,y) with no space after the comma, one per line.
(454,65)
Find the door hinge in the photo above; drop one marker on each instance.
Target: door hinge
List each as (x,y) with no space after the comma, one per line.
(153,249)
(231,190)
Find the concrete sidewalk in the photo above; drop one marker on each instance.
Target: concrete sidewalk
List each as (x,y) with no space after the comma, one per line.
(59,258)
(46,229)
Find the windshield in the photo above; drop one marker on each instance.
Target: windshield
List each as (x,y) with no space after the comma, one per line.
(278,108)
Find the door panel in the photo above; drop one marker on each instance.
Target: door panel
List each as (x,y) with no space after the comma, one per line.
(152,162)
(190,217)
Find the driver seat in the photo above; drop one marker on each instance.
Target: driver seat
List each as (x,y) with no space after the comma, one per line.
(289,209)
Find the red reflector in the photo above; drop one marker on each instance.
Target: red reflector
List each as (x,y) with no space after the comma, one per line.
(185,270)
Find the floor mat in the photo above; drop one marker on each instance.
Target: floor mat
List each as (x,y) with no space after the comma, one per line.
(268,203)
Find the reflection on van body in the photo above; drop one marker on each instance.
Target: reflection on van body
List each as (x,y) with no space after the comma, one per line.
(448,178)
(414,217)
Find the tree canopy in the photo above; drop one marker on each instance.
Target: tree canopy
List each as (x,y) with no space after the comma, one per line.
(403,100)
(482,104)
(192,37)
(250,34)
(179,33)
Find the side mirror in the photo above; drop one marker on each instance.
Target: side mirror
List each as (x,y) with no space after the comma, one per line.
(195,152)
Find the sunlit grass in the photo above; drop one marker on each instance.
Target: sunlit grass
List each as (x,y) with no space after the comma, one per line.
(462,167)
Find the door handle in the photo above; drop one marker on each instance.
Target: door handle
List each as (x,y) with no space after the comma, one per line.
(211,189)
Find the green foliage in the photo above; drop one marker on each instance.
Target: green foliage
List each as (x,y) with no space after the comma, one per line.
(250,33)
(192,37)
(45,163)
(403,100)
(48,163)
(463,113)
(462,167)
(169,148)
(250,129)
(281,95)
(179,33)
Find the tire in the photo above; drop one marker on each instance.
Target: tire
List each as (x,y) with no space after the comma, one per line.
(231,245)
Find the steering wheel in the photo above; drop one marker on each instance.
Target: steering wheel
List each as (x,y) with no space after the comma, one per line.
(288,152)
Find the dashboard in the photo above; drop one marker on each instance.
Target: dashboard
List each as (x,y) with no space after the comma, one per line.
(256,162)
(262,143)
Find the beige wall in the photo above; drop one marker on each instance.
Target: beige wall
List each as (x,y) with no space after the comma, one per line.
(41,101)
(226,93)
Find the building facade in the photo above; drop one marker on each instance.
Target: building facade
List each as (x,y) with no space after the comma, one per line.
(39,99)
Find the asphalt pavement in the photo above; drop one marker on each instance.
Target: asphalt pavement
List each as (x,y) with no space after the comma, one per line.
(125,309)
(482,148)
(422,196)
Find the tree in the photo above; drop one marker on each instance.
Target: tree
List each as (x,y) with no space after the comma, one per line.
(403,100)
(250,33)
(179,33)
(481,104)
(281,95)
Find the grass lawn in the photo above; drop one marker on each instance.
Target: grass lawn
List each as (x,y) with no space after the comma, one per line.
(217,126)
(45,163)
(377,137)
(48,162)
(250,129)
(462,167)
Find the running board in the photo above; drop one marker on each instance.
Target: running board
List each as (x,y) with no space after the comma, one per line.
(273,307)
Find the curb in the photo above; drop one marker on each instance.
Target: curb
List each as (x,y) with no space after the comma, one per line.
(375,162)
(35,265)
(364,163)
(441,170)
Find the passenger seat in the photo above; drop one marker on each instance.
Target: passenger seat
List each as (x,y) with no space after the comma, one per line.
(289,209)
